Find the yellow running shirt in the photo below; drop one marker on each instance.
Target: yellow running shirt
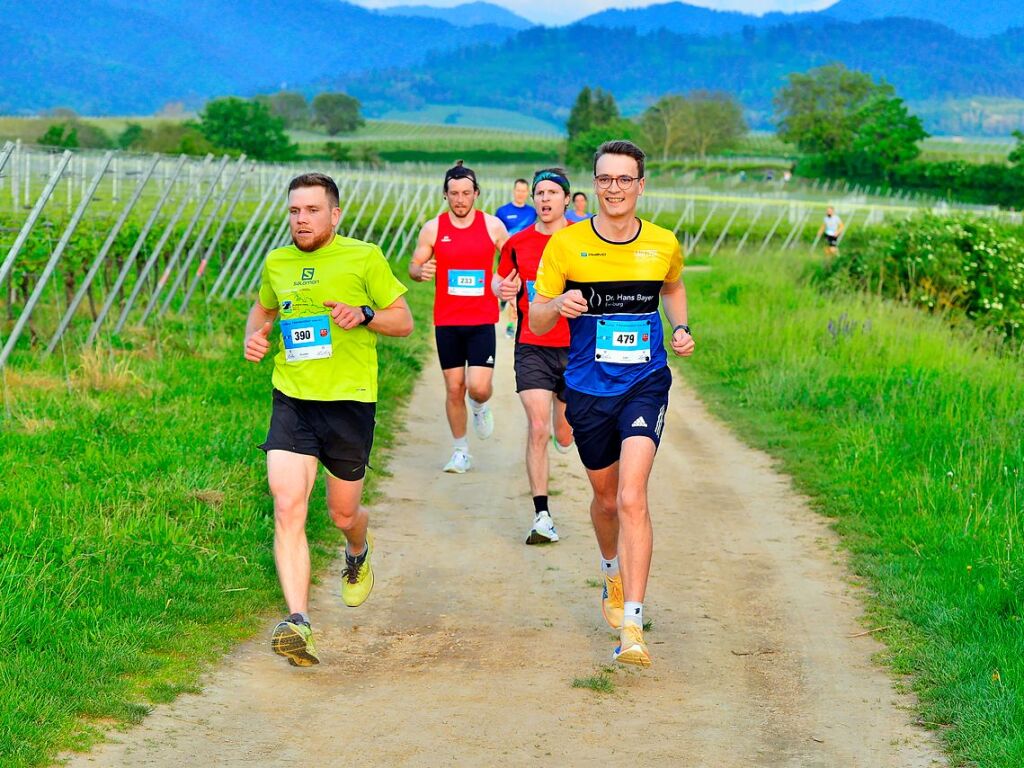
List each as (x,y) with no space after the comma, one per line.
(619,339)
(318,360)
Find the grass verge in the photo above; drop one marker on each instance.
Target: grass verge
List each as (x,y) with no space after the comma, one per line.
(909,436)
(137,528)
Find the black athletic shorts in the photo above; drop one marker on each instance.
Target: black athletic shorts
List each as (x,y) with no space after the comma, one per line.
(832,240)
(459,345)
(540,367)
(338,432)
(600,423)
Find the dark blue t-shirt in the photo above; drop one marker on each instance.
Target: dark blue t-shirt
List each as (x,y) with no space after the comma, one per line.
(516,218)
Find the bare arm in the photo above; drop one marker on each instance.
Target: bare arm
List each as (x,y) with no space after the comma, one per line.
(673,299)
(497,231)
(422,266)
(544,312)
(257,330)
(393,320)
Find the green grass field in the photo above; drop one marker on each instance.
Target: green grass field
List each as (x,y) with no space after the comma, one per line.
(136,545)
(908,435)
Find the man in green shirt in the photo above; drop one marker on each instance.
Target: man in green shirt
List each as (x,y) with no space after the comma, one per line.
(333,296)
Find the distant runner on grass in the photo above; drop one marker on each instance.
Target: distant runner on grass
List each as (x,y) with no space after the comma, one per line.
(333,296)
(608,277)
(539,360)
(832,227)
(458,248)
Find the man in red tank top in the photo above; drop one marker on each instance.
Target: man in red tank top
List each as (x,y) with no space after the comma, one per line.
(457,248)
(540,360)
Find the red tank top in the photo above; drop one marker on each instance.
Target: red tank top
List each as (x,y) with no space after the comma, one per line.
(465,264)
(522,252)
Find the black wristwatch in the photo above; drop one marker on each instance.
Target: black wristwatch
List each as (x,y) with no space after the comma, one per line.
(368,315)
(684,326)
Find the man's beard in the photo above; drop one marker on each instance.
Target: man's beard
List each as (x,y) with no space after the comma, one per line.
(317,245)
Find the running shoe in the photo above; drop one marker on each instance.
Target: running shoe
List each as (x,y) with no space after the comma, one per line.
(483,422)
(459,463)
(357,578)
(631,648)
(543,530)
(510,331)
(562,449)
(293,639)
(612,601)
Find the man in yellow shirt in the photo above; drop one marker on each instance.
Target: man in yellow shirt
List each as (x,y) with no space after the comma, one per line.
(333,296)
(608,276)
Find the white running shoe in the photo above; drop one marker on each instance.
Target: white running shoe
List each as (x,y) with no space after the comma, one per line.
(543,531)
(562,449)
(459,462)
(483,422)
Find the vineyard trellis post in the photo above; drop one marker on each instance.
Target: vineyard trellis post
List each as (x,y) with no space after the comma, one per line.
(55,257)
(101,256)
(129,262)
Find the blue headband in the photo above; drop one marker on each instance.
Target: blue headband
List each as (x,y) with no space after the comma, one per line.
(558,178)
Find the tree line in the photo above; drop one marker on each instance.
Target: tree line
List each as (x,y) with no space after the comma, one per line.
(257,126)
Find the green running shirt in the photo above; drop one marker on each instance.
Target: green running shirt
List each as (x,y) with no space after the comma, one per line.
(297,284)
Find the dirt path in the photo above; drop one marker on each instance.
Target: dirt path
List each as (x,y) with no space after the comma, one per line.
(466,651)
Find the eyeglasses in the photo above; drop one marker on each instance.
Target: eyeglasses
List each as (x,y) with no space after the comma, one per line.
(625,182)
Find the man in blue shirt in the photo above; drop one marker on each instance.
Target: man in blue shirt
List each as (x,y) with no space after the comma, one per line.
(517,215)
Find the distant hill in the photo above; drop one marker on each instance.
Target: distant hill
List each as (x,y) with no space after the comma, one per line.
(923,60)
(686,19)
(465,15)
(132,56)
(975,18)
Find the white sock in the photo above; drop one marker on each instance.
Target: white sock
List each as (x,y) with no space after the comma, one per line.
(462,444)
(475,406)
(610,568)
(633,614)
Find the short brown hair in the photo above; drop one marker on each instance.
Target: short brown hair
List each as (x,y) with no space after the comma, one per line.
(622,147)
(317,180)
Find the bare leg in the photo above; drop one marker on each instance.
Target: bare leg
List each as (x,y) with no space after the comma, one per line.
(291,477)
(636,539)
(343,498)
(479,383)
(455,401)
(563,432)
(537,403)
(604,510)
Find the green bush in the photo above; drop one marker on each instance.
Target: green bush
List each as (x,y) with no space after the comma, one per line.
(964,266)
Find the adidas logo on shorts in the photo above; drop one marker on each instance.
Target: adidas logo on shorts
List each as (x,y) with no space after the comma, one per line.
(490,358)
(639,422)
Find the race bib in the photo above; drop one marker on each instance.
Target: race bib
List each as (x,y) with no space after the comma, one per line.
(465,282)
(531,291)
(307,338)
(623,341)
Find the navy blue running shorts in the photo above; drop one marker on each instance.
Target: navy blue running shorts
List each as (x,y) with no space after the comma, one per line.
(600,423)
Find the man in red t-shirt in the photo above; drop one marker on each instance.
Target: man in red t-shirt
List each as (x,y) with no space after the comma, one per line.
(540,360)
(458,249)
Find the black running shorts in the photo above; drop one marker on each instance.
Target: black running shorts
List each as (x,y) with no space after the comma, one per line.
(601,423)
(338,432)
(540,367)
(459,345)
(832,240)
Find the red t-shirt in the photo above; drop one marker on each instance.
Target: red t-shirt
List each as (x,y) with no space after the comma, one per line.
(523,251)
(465,265)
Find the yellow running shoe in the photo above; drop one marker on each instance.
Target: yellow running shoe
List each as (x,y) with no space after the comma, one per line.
(293,639)
(357,578)
(612,601)
(632,649)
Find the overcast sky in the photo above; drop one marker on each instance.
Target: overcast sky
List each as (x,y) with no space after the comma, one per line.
(563,11)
